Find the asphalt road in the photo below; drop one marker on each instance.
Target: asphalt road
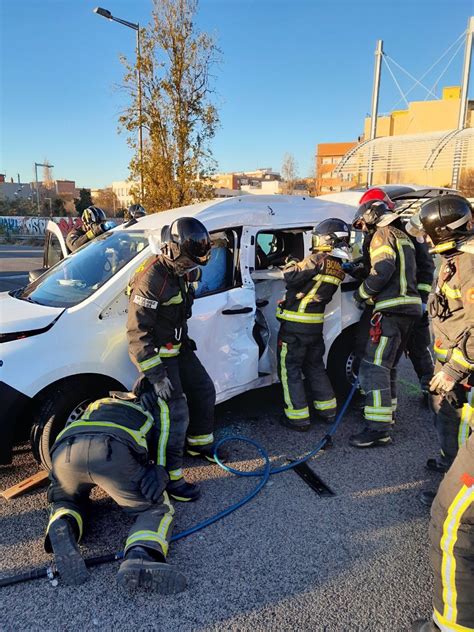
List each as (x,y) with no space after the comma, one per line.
(15,263)
(289,560)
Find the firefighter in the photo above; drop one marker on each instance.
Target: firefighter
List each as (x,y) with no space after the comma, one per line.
(133,214)
(452,312)
(110,446)
(93,224)
(447,220)
(310,286)
(419,343)
(177,387)
(392,289)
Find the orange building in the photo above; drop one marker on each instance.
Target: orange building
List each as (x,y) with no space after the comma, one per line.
(327,158)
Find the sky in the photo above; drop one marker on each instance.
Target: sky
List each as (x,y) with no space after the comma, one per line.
(294,73)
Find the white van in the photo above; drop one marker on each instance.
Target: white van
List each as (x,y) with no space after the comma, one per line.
(63,339)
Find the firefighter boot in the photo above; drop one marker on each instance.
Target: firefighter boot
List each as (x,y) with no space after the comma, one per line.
(71,567)
(141,569)
(302,425)
(206,452)
(182,491)
(427,497)
(370,438)
(424,626)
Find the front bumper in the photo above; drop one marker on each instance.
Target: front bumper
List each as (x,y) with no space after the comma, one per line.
(13,404)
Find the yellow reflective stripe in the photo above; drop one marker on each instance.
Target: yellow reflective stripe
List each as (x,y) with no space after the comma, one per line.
(382,250)
(164,431)
(200,439)
(175,475)
(301,413)
(378,358)
(458,357)
(467,418)
(326,405)
(327,278)
(137,435)
(403,278)
(424,287)
(64,511)
(377,398)
(374,417)
(363,293)
(382,410)
(444,624)
(164,352)
(440,353)
(311,294)
(450,292)
(150,363)
(458,507)
(174,300)
(295,317)
(284,376)
(402,300)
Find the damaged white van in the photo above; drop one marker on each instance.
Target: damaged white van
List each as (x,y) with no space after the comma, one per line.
(63,339)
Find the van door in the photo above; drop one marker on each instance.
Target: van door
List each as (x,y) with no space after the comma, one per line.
(55,248)
(224,317)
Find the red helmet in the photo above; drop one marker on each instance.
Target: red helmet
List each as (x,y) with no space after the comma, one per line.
(376,194)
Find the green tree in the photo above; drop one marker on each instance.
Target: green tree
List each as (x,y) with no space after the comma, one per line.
(83,201)
(178,116)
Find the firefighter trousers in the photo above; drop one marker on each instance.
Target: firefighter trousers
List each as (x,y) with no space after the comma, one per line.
(188,414)
(419,350)
(377,373)
(454,418)
(87,461)
(302,355)
(452,544)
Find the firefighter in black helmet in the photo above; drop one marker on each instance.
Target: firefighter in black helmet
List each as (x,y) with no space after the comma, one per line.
(133,214)
(391,286)
(310,286)
(177,387)
(447,221)
(93,224)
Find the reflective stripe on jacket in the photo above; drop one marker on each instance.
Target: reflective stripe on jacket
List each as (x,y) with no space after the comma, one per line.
(392,280)
(310,286)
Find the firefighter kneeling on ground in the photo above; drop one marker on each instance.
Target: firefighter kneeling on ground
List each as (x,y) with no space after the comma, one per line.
(94,223)
(447,220)
(110,446)
(310,286)
(391,286)
(176,386)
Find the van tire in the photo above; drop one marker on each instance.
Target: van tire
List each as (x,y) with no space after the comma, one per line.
(64,400)
(342,366)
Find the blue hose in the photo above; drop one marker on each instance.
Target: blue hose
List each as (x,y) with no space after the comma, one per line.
(267,470)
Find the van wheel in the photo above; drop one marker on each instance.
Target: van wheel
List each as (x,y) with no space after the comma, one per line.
(62,402)
(343,364)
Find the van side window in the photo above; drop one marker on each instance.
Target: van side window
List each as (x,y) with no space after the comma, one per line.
(53,252)
(272,248)
(222,271)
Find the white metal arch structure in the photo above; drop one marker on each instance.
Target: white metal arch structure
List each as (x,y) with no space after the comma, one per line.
(410,153)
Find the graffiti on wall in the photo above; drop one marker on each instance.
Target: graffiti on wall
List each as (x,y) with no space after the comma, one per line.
(36,226)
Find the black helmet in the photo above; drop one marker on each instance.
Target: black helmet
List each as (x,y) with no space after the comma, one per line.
(187,238)
(330,233)
(371,214)
(135,211)
(93,215)
(445,217)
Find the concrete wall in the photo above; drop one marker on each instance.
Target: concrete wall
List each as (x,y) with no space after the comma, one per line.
(35,226)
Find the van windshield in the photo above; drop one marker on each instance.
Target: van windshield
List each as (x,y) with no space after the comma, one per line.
(77,277)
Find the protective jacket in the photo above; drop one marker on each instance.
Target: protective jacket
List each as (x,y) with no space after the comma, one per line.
(452,310)
(131,425)
(160,304)
(392,283)
(424,269)
(310,286)
(77,237)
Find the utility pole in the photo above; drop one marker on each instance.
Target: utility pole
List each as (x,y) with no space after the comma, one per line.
(375,104)
(464,99)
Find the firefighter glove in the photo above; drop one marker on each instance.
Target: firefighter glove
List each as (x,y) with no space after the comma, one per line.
(97,229)
(154,482)
(442,383)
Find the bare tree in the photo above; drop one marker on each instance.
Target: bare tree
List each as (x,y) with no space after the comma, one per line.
(48,183)
(178,115)
(289,173)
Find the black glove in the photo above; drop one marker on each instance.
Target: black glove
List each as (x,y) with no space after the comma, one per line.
(154,482)
(151,392)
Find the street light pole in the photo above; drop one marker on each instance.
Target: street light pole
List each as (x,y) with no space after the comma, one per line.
(39,164)
(105,13)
